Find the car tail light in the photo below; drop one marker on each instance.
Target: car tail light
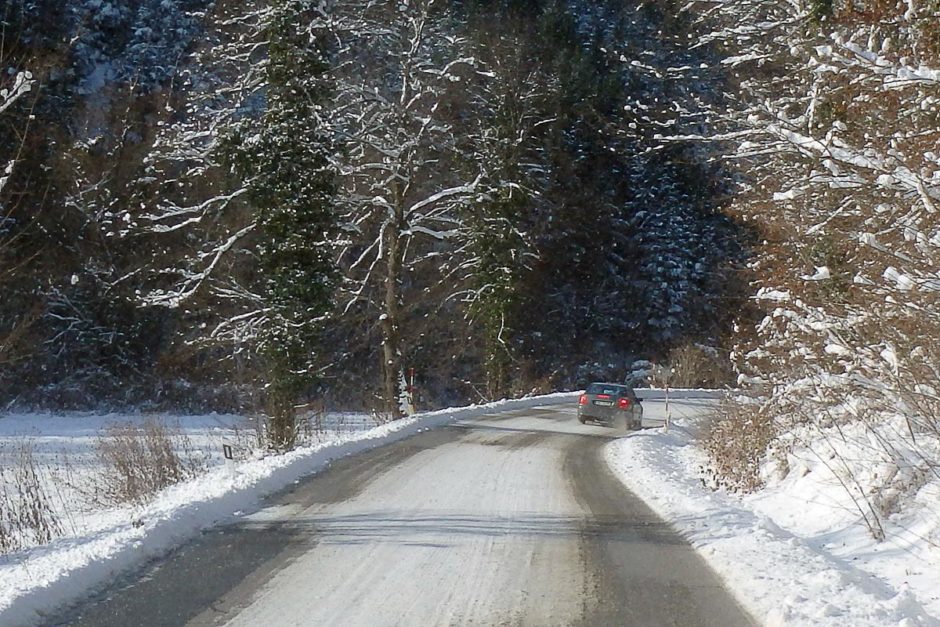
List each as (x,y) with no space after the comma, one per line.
(582,400)
(624,403)
(603,396)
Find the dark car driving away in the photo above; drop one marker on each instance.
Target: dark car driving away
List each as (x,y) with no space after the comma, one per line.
(609,403)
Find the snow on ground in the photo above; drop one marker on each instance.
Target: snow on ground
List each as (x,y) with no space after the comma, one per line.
(102,543)
(795,553)
(64,450)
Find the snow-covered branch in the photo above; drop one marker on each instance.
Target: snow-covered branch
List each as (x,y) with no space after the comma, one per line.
(21,85)
(193,281)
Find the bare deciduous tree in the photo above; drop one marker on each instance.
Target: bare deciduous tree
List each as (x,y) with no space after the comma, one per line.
(405,178)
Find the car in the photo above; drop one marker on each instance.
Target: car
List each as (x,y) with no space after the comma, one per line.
(609,403)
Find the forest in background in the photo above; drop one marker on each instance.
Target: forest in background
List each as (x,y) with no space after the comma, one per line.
(230,205)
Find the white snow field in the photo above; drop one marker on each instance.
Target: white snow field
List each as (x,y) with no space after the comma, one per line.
(795,553)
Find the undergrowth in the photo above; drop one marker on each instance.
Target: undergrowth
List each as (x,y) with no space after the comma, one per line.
(138,461)
(737,440)
(27,514)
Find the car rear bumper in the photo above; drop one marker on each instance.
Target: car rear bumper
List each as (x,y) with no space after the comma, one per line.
(607,414)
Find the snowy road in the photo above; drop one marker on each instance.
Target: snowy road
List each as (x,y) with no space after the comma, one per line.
(512,519)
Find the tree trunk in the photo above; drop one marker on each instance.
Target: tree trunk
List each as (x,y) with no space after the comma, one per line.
(391,345)
(496,370)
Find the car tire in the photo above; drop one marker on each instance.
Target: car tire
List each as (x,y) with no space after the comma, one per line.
(581,419)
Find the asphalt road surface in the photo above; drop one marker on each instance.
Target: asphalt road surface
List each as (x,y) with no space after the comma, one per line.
(512,519)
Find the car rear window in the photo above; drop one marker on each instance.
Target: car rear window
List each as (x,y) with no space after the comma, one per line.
(607,388)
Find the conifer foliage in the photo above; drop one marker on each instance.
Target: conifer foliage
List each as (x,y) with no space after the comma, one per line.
(286,162)
(509,143)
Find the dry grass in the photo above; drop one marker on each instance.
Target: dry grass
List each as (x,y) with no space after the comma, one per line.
(140,460)
(27,515)
(38,500)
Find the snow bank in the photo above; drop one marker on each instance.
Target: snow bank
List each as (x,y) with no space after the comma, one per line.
(35,582)
(645,394)
(832,574)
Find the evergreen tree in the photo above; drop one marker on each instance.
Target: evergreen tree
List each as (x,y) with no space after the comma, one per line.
(286,163)
(513,120)
(499,252)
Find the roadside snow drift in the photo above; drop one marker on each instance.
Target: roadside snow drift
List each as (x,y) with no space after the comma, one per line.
(790,556)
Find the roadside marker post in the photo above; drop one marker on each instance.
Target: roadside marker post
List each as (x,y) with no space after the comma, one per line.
(229,455)
(668,413)
(410,400)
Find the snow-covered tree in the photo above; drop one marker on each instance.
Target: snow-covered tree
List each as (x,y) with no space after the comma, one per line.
(488,165)
(19,83)
(252,168)
(15,85)
(513,118)
(837,132)
(836,135)
(286,163)
(190,202)
(404,184)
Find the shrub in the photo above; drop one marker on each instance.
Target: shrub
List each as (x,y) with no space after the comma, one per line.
(736,441)
(693,366)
